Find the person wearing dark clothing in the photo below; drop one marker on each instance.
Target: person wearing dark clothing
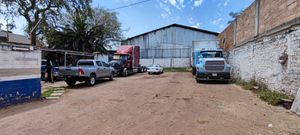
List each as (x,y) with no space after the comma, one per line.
(49,67)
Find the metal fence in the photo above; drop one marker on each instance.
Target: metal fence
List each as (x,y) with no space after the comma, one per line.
(166,53)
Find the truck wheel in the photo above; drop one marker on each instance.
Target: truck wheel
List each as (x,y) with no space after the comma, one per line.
(125,72)
(91,81)
(111,77)
(70,82)
(194,71)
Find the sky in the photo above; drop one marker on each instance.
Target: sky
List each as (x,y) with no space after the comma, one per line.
(212,15)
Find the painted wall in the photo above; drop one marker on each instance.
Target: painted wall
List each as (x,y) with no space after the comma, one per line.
(260,60)
(167,62)
(20,74)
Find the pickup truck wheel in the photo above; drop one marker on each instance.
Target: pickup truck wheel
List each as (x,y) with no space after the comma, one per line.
(71,82)
(111,77)
(91,81)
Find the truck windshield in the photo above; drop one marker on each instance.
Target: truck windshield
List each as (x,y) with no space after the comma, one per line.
(85,63)
(211,54)
(121,57)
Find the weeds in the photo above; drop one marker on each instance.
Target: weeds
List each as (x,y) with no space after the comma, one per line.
(262,91)
(47,93)
(177,70)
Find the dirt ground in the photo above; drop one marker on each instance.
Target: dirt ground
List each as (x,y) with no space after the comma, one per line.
(168,104)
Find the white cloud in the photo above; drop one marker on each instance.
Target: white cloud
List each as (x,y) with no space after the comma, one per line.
(217,21)
(198,3)
(197,25)
(191,20)
(226,3)
(179,4)
(164,15)
(165,7)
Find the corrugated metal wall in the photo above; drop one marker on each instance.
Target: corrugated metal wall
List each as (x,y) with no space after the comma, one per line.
(171,42)
(163,45)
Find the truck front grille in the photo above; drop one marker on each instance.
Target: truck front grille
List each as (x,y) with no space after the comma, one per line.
(214,65)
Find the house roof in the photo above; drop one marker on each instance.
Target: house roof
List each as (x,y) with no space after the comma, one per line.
(177,25)
(15,38)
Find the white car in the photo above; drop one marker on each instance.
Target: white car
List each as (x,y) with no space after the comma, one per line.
(155,68)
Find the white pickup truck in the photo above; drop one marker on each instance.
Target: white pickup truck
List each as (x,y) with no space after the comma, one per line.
(88,71)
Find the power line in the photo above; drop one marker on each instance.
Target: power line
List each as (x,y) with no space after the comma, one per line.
(130,5)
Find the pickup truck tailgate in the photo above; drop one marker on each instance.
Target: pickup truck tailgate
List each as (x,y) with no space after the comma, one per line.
(69,71)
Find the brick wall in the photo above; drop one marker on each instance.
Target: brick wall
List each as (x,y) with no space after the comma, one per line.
(245,28)
(259,18)
(227,38)
(259,60)
(276,12)
(264,33)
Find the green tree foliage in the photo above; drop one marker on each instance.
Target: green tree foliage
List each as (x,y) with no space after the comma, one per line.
(82,30)
(40,13)
(234,15)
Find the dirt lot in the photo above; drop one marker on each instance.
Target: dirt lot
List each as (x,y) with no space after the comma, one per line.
(168,104)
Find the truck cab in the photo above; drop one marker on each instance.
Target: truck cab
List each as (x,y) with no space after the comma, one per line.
(127,60)
(211,65)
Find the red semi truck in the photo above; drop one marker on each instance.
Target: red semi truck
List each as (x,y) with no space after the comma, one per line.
(127,60)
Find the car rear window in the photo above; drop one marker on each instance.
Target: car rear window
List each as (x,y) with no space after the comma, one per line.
(85,63)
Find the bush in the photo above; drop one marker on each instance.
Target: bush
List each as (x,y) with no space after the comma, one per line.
(271,97)
(262,91)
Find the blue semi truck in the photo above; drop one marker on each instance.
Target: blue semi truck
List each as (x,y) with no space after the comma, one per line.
(208,61)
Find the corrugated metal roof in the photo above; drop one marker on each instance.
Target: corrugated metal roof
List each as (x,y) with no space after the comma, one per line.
(177,25)
(15,38)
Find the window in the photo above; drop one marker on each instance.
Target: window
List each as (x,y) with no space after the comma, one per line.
(105,64)
(85,63)
(98,63)
(211,54)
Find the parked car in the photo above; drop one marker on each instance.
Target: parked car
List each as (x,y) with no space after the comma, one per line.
(155,68)
(87,71)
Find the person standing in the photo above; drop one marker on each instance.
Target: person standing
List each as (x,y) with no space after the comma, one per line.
(49,67)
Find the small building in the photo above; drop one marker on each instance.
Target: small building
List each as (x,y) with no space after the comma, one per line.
(169,46)
(16,39)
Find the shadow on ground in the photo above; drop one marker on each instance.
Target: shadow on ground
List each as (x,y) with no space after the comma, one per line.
(215,82)
(23,107)
(81,85)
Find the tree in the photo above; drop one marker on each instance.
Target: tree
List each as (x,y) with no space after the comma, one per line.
(234,15)
(86,31)
(40,14)
(8,17)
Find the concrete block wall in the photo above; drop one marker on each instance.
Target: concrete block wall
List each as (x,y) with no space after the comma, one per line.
(167,62)
(20,75)
(260,60)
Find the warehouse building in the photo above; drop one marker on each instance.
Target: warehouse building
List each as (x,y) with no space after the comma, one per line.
(169,46)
